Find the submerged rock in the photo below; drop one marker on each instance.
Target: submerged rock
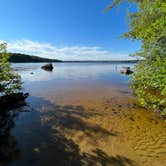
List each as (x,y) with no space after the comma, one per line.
(126,70)
(48,67)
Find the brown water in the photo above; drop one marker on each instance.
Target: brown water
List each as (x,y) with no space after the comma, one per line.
(92,120)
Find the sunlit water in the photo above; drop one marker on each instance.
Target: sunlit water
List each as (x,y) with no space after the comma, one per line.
(108,72)
(81,114)
(71,75)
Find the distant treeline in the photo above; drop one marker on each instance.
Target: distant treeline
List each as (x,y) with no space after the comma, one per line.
(18,58)
(105,61)
(24,58)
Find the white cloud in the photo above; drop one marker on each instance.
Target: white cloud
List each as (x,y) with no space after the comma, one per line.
(64,53)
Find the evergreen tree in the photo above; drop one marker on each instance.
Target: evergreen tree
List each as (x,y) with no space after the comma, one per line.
(10,82)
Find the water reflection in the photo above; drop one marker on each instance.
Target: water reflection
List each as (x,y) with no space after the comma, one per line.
(9,114)
(72,71)
(9,150)
(8,144)
(40,141)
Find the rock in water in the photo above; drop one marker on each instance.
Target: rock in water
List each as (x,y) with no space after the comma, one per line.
(126,70)
(48,67)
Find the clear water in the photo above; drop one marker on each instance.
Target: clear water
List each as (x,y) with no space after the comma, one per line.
(63,73)
(80,114)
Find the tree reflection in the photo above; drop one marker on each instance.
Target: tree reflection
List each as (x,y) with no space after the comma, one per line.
(9,149)
(45,143)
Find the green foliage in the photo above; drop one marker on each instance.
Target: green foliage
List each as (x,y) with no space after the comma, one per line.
(10,82)
(148,25)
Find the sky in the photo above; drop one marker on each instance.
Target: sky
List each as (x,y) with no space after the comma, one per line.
(66,29)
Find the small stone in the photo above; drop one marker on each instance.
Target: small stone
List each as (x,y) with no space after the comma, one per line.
(36,150)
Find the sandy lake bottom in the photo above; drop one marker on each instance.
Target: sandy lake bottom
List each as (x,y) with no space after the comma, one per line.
(92,120)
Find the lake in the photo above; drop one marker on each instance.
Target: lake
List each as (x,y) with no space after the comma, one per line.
(81,114)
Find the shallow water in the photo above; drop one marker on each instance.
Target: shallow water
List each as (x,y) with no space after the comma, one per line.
(81,114)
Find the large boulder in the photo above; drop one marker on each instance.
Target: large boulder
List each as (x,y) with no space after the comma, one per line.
(48,67)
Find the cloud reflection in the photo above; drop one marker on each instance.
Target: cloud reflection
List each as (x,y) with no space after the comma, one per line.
(70,71)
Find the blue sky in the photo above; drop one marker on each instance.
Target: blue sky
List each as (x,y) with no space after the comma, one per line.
(66,29)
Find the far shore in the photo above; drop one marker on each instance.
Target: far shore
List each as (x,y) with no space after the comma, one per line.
(24,58)
(84,61)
